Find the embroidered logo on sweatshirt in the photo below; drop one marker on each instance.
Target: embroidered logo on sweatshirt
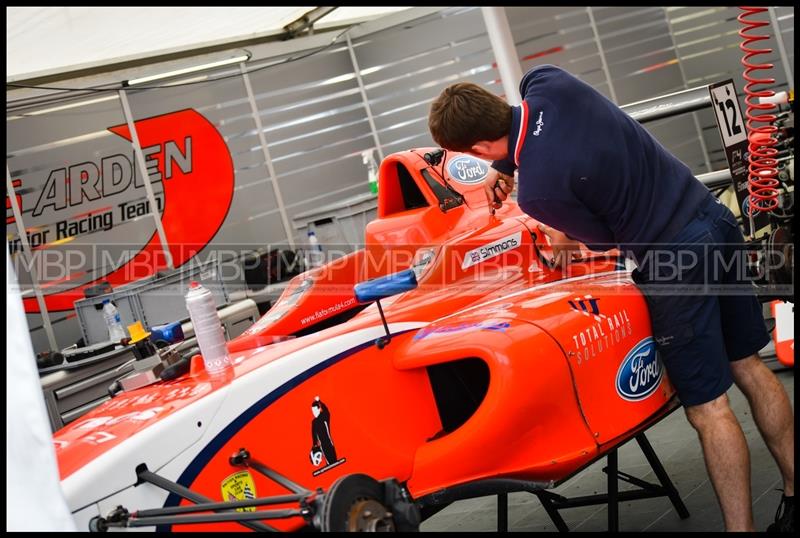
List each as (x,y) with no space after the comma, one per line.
(539,125)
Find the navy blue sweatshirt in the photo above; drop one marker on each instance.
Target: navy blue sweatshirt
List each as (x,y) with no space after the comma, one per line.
(591,171)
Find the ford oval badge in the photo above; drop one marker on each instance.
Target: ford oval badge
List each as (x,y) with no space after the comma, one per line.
(640,371)
(468,170)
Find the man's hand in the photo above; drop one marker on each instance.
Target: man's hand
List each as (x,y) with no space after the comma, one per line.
(564,248)
(497,187)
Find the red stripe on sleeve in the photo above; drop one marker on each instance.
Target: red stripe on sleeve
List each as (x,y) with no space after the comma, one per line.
(523,128)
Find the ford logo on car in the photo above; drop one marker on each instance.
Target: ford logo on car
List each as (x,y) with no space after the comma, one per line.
(468,170)
(640,371)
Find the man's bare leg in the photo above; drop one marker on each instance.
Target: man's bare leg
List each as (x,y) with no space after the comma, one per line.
(727,460)
(772,412)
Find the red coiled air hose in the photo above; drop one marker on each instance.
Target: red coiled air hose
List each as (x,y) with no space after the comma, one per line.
(762,178)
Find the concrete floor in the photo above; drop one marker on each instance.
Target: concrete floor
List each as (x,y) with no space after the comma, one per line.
(676,444)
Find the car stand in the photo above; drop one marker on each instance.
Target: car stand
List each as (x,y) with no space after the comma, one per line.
(553,502)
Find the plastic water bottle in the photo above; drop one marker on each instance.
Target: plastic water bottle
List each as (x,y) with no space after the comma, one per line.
(372,176)
(207,328)
(314,257)
(116,331)
(368,159)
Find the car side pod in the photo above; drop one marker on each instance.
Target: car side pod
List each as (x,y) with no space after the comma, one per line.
(381,288)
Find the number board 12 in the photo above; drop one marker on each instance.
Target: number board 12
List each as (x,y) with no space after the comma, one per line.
(731,125)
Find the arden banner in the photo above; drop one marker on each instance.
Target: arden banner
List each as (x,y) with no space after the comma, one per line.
(184,153)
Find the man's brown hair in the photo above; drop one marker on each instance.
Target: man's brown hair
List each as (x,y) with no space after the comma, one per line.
(465,113)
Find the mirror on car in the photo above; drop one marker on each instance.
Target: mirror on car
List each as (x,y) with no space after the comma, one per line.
(380,288)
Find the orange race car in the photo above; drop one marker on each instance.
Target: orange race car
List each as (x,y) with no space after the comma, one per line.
(446,359)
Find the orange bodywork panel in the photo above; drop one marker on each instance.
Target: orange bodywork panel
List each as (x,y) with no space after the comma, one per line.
(504,417)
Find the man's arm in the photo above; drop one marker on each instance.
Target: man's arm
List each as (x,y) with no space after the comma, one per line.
(565,249)
(505,166)
(563,214)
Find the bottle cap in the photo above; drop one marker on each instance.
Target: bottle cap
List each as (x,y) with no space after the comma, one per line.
(106,301)
(311,232)
(194,284)
(196,365)
(137,332)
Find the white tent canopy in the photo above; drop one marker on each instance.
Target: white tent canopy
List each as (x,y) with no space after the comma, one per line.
(43,41)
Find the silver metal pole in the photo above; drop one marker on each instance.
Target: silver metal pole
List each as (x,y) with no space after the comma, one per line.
(781,48)
(26,249)
(148,187)
(267,158)
(364,98)
(716,178)
(668,105)
(505,51)
(700,136)
(602,55)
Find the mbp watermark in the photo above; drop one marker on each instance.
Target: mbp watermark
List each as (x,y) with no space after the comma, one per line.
(464,267)
(715,269)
